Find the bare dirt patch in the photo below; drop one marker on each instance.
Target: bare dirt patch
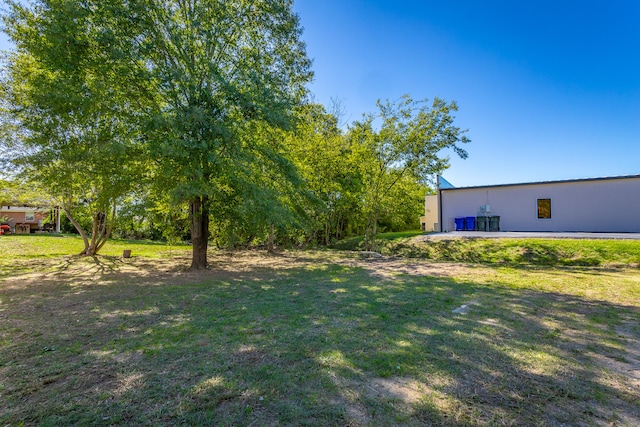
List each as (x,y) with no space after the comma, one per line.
(80,271)
(406,390)
(392,267)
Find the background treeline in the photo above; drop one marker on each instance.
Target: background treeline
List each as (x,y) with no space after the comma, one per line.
(192,120)
(332,168)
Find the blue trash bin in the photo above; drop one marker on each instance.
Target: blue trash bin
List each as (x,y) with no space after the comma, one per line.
(459,223)
(470,223)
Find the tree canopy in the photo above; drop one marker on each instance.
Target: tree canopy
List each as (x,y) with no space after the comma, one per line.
(404,140)
(220,71)
(194,115)
(64,90)
(184,81)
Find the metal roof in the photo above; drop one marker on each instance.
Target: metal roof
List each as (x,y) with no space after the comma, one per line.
(605,178)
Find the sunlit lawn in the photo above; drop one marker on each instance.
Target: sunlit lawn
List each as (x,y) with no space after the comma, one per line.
(32,252)
(52,245)
(312,338)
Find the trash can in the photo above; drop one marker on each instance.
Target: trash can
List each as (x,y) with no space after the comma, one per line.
(481,223)
(470,223)
(494,223)
(459,223)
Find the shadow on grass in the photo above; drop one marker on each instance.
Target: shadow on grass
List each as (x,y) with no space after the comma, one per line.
(311,344)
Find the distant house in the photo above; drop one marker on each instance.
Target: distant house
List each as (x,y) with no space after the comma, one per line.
(610,204)
(29,219)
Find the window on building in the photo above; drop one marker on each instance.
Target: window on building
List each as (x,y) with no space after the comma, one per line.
(29,216)
(544,208)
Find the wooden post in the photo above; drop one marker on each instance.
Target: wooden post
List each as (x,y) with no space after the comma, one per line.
(57,213)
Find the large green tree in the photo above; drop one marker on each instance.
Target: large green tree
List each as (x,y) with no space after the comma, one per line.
(221,68)
(67,95)
(404,139)
(100,85)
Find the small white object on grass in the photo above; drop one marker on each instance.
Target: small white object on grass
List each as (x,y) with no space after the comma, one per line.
(464,308)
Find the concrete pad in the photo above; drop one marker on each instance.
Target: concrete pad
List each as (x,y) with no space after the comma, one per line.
(528,235)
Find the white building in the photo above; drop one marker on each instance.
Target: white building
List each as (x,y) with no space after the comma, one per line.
(609,204)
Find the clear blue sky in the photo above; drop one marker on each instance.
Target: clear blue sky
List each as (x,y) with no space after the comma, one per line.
(549,90)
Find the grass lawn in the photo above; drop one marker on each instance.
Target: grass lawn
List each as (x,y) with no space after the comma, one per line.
(313,338)
(516,252)
(382,239)
(27,253)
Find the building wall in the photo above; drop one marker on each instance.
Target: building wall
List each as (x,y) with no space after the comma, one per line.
(16,216)
(430,218)
(600,205)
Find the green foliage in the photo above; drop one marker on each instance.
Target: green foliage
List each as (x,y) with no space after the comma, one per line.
(538,252)
(227,74)
(150,214)
(158,117)
(98,89)
(404,140)
(401,209)
(65,90)
(267,194)
(393,238)
(14,191)
(136,221)
(330,171)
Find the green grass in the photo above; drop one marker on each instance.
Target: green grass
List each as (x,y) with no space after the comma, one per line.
(24,253)
(518,252)
(543,252)
(313,338)
(54,245)
(355,243)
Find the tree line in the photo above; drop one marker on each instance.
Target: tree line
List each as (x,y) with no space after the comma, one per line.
(194,117)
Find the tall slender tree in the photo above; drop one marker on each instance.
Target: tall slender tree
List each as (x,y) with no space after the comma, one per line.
(405,138)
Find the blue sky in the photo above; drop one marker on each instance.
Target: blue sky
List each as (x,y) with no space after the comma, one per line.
(548,90)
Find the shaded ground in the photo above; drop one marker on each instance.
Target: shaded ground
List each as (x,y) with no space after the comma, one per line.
(317,339)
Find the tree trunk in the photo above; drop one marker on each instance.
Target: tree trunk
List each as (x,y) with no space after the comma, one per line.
(78,227)
(199,218)
(96,229)
(271,239)
(108,228)
(371,231)
(101,228)
(375,231)
(327,233)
